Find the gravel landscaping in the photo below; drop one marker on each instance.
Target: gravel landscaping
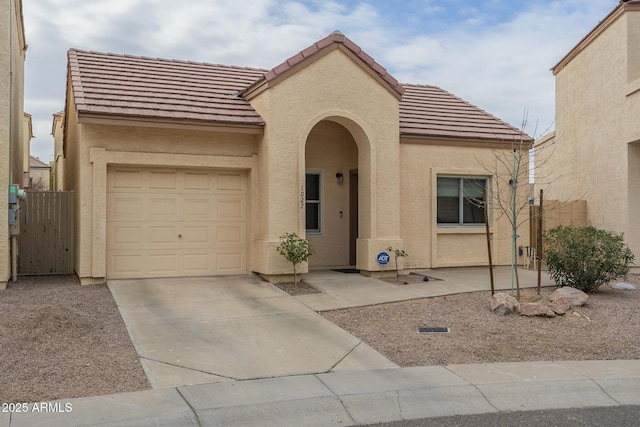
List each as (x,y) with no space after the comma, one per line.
(60,340)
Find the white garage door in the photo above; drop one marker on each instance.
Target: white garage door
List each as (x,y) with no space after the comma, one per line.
(175,222)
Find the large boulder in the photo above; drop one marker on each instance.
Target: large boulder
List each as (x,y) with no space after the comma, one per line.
(535,309)
(574,296)
(503,303)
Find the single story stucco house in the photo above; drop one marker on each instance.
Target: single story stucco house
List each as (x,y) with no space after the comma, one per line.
(184,168)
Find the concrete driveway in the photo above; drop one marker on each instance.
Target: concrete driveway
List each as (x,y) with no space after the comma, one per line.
(214,329)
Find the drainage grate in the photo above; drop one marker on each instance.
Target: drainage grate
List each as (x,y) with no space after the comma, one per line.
(437,330)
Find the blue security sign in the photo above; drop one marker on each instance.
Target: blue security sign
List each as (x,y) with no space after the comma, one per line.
(383,258)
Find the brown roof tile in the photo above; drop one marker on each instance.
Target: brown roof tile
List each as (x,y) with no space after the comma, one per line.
(134,86)
(105,83)
(432,112)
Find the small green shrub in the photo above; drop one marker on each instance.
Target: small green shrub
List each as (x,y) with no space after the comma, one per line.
(295,249)
(585,257)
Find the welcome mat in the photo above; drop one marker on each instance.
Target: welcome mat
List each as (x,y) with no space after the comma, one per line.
(347,270)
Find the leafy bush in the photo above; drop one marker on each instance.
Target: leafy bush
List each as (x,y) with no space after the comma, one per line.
(585,257)
(295,249)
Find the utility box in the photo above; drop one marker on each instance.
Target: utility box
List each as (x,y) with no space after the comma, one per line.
(14,208)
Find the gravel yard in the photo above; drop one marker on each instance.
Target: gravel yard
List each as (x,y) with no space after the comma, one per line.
(61,340)
(607,327)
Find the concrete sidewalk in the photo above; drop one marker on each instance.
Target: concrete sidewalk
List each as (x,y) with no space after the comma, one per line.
(356,397)
(340,290)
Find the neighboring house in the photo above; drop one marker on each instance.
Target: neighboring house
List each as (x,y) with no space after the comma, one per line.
(12,55)
(597,135)
(58,157)
(185,168)
(39,175)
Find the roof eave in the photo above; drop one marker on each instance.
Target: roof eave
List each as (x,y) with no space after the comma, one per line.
(451,141)
(162,122)
(616,13)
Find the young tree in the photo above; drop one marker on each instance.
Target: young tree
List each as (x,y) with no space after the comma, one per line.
(295,250)
(511,169)
(398,253)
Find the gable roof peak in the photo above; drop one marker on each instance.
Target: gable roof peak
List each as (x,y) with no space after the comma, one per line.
(335,39)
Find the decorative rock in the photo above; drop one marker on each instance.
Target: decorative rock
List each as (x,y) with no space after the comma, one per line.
(574,296)
(504,303)
(624,286)
(535,309)
(560,306)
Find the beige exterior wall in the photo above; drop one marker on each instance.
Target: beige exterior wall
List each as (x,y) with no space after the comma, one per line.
(58,153)
(597,128)
(430,246)
(335,87)
(12,56)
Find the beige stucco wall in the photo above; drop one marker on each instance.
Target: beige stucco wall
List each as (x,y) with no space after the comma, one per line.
(58,153)
(12,56)
(430,246)
(597,130)
(334,87)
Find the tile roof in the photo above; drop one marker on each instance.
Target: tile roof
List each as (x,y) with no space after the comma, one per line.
(132,86)
(35,162)
(124,85)
(429,111)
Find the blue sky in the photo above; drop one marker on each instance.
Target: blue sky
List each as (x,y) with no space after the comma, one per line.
(495,54)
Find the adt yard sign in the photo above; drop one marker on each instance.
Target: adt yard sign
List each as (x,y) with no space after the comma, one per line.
(383,258)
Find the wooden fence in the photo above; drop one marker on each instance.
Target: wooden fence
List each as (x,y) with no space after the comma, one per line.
(46,240)
(557,213)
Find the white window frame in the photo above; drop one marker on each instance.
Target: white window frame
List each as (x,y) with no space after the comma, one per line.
(320,202)
(461,179)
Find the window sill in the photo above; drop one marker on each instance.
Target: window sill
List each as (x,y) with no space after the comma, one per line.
(463,230)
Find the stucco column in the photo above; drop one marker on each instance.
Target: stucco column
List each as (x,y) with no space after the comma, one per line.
(99,190)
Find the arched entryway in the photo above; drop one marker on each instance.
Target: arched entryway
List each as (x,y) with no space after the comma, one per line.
(331,194)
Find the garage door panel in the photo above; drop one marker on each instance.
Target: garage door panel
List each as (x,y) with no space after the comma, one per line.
(230,235)
(125,180)
(198,181)
(124,206)
(126,236)
(197,263)
(163,180)
(197,234)
(173,222)
(197,208)
(230,208)
(231,262)
(231,182)
(162,209)
(163,264)
(127,264)
(162,234)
